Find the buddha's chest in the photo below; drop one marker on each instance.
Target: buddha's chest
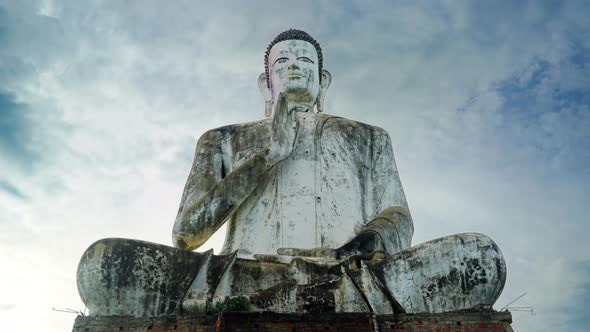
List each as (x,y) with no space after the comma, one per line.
(314,198)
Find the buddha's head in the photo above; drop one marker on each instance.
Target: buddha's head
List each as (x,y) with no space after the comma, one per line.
(294,65)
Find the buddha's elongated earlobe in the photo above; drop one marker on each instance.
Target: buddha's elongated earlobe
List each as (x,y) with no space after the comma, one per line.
(268,108)
(324,85)
(265,90)
(319,105)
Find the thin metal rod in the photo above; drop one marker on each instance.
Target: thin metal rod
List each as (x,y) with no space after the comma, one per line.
(513,301)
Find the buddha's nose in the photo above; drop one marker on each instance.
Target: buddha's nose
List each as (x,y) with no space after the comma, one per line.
(293,66)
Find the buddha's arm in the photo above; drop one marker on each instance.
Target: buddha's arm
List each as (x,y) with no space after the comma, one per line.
(210,198)
(204,211)
(206,172)
(391,218)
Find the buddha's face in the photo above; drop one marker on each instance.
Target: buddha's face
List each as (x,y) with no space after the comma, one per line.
(293,69)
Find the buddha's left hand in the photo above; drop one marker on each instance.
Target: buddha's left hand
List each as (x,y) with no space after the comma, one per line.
(364,245)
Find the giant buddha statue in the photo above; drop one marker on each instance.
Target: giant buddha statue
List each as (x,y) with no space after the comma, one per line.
(317,220)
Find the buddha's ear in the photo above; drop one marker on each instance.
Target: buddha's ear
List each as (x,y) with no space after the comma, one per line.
(265,90)
(324,85)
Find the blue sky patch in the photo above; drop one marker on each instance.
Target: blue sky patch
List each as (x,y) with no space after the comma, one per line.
(578,310)
(12,190)
(15,131)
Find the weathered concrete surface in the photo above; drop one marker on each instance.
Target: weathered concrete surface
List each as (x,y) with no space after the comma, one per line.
(137,278)
(454,272)
(340,176)
(141,279)
(466,321)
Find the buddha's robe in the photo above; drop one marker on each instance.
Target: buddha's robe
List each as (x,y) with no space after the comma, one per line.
(339,177)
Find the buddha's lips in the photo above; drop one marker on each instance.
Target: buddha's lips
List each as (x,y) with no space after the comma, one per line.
(294,75)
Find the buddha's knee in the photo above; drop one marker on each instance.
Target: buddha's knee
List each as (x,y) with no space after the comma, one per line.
(450,273)
(134,278)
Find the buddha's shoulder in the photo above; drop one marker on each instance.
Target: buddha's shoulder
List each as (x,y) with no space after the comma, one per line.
(245,128)
(340,123)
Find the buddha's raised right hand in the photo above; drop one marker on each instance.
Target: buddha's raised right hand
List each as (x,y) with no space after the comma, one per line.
(284,129)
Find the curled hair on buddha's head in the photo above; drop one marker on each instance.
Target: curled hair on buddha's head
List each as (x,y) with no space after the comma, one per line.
(294,34)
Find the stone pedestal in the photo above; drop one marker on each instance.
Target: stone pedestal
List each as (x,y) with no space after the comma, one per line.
(459,321)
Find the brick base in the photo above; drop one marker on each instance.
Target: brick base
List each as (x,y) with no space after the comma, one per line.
(462,321)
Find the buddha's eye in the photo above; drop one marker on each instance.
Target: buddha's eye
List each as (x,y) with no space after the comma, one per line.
(280,60)
(305,59)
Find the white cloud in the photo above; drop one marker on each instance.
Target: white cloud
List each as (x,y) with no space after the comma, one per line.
(120,92)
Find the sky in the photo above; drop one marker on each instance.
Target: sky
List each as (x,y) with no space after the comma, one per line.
(487,104)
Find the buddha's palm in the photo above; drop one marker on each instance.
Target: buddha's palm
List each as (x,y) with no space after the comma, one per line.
(363,245)
(284,129)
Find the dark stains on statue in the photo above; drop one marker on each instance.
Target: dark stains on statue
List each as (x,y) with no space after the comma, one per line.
(283,284)
(474,275)
(152,272)
(272,297)
(454,277)
(316,298)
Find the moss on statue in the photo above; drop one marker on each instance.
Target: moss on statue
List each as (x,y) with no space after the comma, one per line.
(234,304)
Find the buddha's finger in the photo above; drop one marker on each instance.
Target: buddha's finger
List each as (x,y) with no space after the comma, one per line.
(280,110)
(293,252)
(376,255)
(314,252)
(292,119)
(265,258)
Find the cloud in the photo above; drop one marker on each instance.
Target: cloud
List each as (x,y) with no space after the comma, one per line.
(12,190)
(30,42)
(487,104)
(6,307)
